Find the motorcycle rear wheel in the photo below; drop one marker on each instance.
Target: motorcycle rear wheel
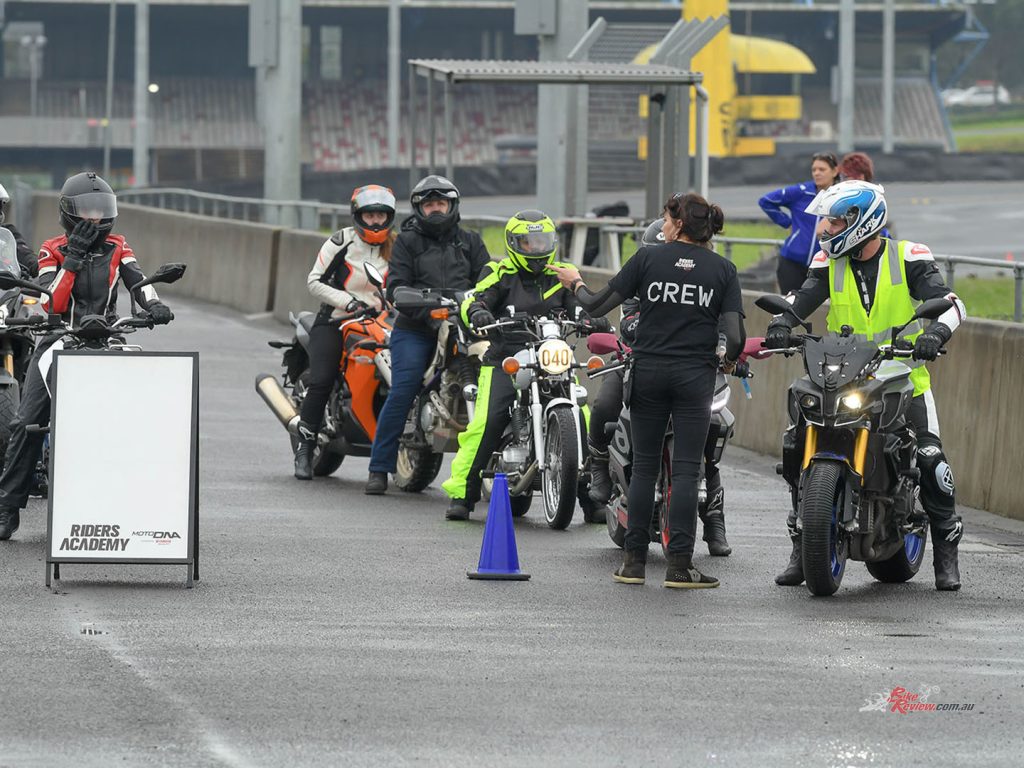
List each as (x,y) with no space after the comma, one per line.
(560,480)
(325,462)
(416,468)
(824,543)
(904,565)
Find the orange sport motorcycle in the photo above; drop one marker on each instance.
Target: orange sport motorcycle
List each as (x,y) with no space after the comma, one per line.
(364,378)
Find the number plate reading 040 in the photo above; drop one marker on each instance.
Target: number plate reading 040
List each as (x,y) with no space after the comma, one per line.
(554,356)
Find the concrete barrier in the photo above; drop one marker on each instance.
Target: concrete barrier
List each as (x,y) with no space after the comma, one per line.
(257,268)
(295,259)
(229,263)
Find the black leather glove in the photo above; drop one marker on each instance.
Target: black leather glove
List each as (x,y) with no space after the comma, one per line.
(927,345)
(355,305)
(741,370)
(160,313)
(81,239)
(598,324)
(778,336)
(480,317)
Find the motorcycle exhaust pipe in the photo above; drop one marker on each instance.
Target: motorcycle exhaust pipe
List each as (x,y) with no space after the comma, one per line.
(383,362)
(269,388)
(525,481)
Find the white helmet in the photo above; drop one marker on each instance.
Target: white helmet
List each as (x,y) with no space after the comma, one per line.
(860,204)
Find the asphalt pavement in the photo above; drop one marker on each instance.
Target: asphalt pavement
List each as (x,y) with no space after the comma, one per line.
(331,628)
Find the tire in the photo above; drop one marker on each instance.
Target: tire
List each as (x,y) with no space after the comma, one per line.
(325,462)
(10,399)
(663,488)
(416,468)
(904,565)
(521,504)
(616,531)
(560,480)
(824,543)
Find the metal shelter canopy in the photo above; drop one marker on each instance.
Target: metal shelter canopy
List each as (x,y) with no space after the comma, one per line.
(450,71)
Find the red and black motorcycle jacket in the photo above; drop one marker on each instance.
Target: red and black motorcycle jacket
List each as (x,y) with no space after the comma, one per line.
(93,289)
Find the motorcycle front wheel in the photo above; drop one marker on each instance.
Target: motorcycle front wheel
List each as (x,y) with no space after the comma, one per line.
(561,478)
(824,542)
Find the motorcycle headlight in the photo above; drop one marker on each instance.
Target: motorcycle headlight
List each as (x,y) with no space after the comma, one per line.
(554,356)
(721,399)
(853,401)
(808,401)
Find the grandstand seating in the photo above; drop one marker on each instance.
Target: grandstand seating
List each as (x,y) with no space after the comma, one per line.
(345,125)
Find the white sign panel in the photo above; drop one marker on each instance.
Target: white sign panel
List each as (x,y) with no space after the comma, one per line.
(123,456)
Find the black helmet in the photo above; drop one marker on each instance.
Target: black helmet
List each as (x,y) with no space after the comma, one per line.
(5,203)
(438,187)
(653,234)
(87,196)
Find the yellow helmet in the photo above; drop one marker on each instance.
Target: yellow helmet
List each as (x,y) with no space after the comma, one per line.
(531,240)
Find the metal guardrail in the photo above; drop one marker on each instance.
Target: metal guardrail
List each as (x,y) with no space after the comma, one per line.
(315,215)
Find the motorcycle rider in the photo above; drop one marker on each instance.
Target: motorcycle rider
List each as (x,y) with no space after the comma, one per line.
(432,251)
(688,294)
(26,256)
(874,285)
(608,405)
(89,250)
(522,280)
(339,281)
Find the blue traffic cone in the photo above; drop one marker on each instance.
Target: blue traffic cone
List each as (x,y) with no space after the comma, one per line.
(498,557)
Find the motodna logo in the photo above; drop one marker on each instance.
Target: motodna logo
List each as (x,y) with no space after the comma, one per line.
(901,701)
(158,537)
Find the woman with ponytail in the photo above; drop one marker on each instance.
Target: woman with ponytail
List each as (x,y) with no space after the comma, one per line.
(688,296)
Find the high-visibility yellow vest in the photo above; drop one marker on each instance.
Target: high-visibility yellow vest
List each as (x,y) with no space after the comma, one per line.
(891,307)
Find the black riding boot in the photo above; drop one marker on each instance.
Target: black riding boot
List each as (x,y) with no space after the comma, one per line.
(304,451)
(793,576)
(600,479)
(713,518)
(944,552)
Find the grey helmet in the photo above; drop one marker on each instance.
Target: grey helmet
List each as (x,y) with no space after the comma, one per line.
(5,203)
(653,234)
(439,187)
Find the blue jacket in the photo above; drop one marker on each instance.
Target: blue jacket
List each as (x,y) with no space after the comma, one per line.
(801,245)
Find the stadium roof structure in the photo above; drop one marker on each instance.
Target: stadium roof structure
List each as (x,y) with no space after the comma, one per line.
(451,71)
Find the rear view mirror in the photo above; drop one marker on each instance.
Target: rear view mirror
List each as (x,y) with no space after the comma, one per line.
(373,274)
(933,308)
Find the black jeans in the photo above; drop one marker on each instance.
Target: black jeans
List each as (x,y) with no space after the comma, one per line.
(325,348)
(605,410)
(682,390)
(790,275)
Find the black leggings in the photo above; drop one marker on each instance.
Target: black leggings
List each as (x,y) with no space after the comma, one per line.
(682,390)
(325,348)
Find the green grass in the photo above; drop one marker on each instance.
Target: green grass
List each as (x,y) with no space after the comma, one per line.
(988,297)
(969,128)
(991,143)
(984,117)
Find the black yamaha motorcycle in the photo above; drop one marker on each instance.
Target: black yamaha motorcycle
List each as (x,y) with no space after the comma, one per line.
(850,456)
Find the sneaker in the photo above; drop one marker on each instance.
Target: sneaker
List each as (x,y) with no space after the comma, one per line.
(633,568)
(681,574)
(458,509)
(376,484)
(10,519)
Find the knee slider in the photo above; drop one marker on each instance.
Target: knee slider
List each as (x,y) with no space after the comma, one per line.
(932,462)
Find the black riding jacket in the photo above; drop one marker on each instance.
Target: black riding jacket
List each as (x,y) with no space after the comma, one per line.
(450,264)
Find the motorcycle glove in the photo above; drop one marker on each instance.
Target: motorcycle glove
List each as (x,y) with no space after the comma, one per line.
(81,239)
(742,370)
(927,345)
(778,336)
(599,324)
(481,317)
(160,313)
